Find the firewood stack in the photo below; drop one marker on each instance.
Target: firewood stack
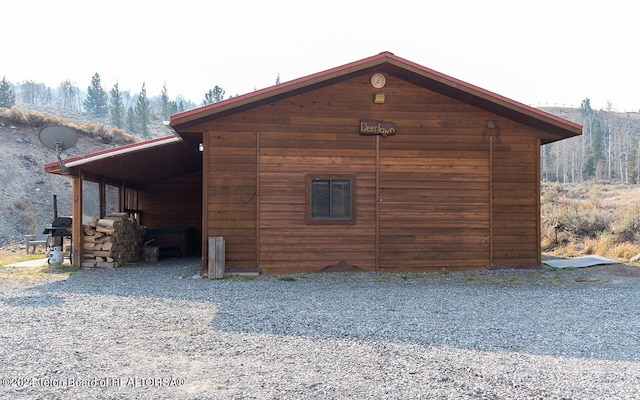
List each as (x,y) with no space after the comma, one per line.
(112,241)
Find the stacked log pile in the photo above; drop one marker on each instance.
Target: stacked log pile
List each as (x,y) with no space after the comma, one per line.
(112,241)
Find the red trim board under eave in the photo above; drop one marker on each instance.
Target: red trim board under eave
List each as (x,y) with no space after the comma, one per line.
(128,148)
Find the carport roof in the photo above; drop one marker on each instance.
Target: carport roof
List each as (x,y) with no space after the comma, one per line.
(136,164)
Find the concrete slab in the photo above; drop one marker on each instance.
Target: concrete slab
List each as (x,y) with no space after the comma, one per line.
(40,262)
(580,262)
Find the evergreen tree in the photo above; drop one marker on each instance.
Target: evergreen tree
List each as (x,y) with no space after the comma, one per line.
(182,104)
(172,108)
(7,95)
(165,102)
(96,102)
(131,120)
(213,95)
(116,110)
(143,112)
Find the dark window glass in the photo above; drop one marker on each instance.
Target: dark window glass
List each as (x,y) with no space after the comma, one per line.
(331,198)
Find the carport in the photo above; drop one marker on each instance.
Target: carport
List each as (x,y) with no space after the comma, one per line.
(158,181)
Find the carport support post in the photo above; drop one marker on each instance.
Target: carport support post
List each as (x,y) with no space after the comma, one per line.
(216,257)
(76,221)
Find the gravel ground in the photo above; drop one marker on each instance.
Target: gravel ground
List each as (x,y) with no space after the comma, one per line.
(156,332)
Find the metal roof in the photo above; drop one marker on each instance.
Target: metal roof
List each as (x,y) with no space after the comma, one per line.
(136,164)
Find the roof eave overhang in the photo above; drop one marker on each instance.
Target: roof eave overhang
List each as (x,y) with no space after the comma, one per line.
(97,165)
(54,166)
(558,127)
(186,119)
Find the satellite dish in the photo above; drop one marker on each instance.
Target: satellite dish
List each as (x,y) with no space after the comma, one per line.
(59,138)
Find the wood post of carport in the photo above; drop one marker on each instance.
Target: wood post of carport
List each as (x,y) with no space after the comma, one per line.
(76,221)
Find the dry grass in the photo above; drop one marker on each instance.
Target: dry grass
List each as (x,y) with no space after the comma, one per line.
(37,120)
(13,254)
(583,219)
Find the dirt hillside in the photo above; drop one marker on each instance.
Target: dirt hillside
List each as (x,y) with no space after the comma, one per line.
(26,190)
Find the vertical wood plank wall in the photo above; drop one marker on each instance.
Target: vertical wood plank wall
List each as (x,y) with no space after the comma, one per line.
(423,196)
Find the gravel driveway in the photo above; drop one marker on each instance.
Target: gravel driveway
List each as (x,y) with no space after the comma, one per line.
(155,332)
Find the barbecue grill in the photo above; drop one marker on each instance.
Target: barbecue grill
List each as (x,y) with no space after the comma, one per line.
(58,231)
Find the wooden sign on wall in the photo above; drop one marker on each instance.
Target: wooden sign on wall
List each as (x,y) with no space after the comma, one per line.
(372,127)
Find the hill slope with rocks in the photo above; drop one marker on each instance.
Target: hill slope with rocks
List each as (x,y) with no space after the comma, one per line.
(26,189)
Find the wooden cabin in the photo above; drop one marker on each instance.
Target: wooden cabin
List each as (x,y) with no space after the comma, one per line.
(377,165)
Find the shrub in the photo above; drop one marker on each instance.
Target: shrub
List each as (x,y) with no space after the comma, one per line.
(27,222)
(105,134)
(624,251)
(566,250)
(583,220)
(591,246)
(547,243)
(550,196)
(15,114)
(627,228)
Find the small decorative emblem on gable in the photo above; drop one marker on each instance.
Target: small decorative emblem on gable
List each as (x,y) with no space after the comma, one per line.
(372,127)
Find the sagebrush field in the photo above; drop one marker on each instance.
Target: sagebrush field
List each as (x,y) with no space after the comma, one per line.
(590,218)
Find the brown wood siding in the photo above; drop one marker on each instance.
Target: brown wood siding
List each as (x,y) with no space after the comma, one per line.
(175,202)
(434,210)
(515,198)
(424,196)
(287,243)
(231,195)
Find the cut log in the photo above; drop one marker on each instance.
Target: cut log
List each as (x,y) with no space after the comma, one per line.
(116,240)
(118,215)
(105,229)
(106,222)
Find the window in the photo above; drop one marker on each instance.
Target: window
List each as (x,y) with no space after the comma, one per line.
(90,201)
(330,200)
(99,200)
(111,199)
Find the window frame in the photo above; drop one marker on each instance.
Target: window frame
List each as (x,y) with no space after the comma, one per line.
(309,198)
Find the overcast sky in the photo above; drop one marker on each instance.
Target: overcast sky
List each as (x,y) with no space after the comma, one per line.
(541,53)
